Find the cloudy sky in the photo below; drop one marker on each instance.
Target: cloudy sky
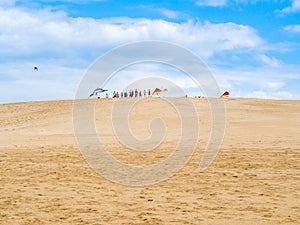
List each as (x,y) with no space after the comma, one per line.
(251,47)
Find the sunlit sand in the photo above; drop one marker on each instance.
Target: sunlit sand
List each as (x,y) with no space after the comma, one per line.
(255,178)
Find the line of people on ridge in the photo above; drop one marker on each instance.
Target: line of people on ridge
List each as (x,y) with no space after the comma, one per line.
(131,94)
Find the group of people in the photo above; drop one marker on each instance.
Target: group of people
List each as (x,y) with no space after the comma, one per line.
(131,94)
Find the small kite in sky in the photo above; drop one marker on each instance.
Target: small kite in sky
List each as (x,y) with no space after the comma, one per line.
(35,68)
(97,90)
(157,91)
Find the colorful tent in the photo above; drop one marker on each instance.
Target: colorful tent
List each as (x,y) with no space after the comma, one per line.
(157,91)
(225,94)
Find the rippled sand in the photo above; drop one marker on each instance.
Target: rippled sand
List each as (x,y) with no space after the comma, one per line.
(255,178)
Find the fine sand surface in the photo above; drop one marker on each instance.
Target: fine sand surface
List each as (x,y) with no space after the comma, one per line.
(255,178)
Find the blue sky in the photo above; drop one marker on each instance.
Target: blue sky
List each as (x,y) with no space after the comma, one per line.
(251,47)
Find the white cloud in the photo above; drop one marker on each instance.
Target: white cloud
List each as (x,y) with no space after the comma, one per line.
(55,34)
(271,95)
(63,47)
(171,14)
(271,61)
(292,28)
(295,7)
(214,3)
(275,85)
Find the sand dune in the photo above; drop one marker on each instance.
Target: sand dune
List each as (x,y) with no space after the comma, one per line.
(255,178)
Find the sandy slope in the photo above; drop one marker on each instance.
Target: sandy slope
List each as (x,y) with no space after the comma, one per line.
(255,178)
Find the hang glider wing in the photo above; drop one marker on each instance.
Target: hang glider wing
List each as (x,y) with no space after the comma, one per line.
(96,91)
(225,94)
(157,91)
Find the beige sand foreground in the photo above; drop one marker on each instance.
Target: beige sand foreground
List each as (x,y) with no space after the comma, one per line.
(255,178)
